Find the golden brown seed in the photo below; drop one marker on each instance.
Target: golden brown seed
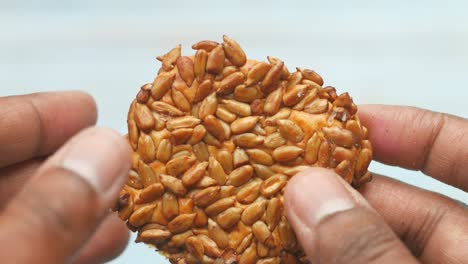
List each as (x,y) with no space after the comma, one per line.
(211,249)
(240,175)
(199,65)
(286,153)
(173,184)
(244,124)
(318,106)
(257,73)
(161,84)
(181,223)
(363,161)
(344,169)
(166,109)
(253,212)
(194,174)
(295,94)
(220,206)
(339,136)
(208,106)
(201,151)
(170,58)
(311,75)
(181,135)
(207,196)
(215,61)
(260,156)
(133,133)
(170,206)
(154,236)
(228,84)
(216,171)
(236,107)
(141,215)
(179,165)
(261,231)
(249,192)
(274,140)
(239,157)
(225,159)
(203,90)
(287,237)
(218,235)
(272,77)
(195,247)
(257,106)
(198,134)
(273,260)
(324,154)
(234,52)
(180,100)
(144,93)
(223,114)
(150,193)
(289,130)
(340,154)
(249,256)
(307,99)
(283,113)
(146,148)
(147,175)
(143,117)
(273,213)
(312,148)
(185,66)
(206,182)
(213,126)
(246,94)
(134,180)
(229,217)
(164,150)
(273,102)
(273,185)
(262,171)
(200,219)
(247,140)
(182,122)
(207,45)
(178,240)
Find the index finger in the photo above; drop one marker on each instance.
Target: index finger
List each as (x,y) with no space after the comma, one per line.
(35,125)
(417,139)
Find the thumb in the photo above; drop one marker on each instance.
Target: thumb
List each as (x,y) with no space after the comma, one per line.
(59,208)
(334,224)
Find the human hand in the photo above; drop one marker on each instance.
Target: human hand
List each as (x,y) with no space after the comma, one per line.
(388,221)
(57,183)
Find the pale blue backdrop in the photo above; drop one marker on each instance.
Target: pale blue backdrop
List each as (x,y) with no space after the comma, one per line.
(390,52)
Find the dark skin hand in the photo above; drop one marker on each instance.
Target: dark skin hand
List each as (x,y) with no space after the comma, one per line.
(58,179)
(388,221)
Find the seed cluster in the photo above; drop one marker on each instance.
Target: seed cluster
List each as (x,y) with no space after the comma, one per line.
(216,138)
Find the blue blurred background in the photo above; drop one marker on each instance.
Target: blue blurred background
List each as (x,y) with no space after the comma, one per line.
(389,52)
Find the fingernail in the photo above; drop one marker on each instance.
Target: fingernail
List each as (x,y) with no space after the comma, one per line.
(315,194)
(99,156)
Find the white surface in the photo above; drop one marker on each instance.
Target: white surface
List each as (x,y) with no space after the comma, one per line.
(391,53)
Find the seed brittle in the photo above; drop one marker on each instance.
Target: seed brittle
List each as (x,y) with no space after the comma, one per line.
(216,137)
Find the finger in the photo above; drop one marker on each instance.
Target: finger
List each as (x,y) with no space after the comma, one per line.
(107,242)
(334,224)
(434,227)
(13,178)
(58,210)
(35,125)
(435,143)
